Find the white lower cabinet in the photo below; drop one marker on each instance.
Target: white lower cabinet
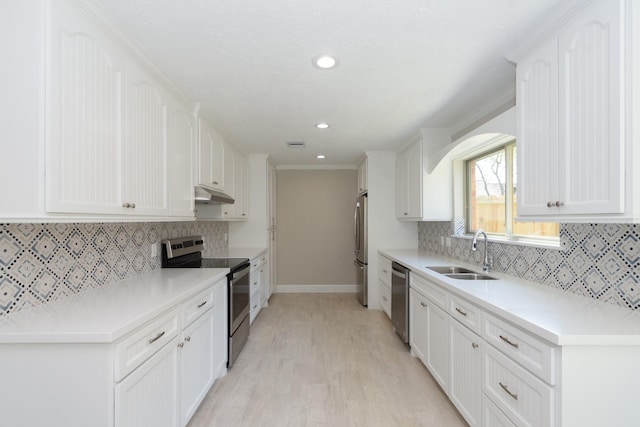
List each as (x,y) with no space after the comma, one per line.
(492,416)
(453,338)
(197,371)
(259,288)
(418,325)
(465,372)
(148,396)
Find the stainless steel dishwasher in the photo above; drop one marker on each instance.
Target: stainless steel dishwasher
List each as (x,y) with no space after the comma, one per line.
(400,300)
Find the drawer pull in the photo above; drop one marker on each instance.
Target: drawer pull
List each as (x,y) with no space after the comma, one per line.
(475,345)
(461,312)
(201,304)
(506,389)
(384,271)
(384,298)
(180,344)
(505,339)
(157,337)
(187,339)
(423,304)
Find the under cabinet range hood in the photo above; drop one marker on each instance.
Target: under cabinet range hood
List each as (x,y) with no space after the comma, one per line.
(208,195)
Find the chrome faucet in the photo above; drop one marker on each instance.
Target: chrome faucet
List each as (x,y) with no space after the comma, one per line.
(486,264)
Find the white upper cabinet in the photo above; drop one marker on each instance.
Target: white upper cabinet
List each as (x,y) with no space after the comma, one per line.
(180,134)
(238,174)
(116,139)
(86,105)
(423,194)
(212,158)
(572,111)
(362,176)
(145,146)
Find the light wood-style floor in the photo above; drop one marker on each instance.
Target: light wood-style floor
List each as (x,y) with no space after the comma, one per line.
(323,360)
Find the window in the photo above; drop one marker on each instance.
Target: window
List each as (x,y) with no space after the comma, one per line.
(491,197)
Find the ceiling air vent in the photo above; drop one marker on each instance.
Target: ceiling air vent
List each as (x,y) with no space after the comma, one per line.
(295,144)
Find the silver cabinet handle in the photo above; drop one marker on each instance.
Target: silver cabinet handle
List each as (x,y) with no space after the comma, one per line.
(460,311)
(384,298)
(384,271)
(550,204)
(133,205)
(508,341)
(180,344)
(475,345)
(201,304)
(187,339)
(559,204)
(506,389)
(406,213)
(214,182)
(157,337)
(423,304)
(129,205)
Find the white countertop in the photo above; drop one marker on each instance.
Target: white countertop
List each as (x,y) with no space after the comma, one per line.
(240,253)
(108,313)
(560,317)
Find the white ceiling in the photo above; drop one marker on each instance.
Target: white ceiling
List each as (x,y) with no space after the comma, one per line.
(403,64)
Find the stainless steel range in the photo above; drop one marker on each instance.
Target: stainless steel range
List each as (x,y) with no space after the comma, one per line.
(186,252)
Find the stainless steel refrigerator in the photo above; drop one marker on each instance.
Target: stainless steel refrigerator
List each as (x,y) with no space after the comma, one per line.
(360,252)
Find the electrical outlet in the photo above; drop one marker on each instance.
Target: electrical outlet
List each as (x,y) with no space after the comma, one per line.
(154,250)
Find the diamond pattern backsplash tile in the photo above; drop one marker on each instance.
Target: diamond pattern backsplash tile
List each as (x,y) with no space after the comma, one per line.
(43,262)
(600,261)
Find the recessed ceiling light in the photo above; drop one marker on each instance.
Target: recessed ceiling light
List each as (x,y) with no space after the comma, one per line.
(322,125)
(324,62)
(320,156)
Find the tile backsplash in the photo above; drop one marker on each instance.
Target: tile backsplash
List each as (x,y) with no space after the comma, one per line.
(43,262)
(600,261)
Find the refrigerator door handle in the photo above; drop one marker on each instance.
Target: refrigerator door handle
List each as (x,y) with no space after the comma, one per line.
(356,228)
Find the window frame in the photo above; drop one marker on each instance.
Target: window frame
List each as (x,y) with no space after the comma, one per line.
(508,147)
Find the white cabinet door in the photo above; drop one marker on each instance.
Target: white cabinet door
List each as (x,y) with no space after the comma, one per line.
(148,397)
(180,133)
(362,176)
(571,137)
(537,91)
(85,116)
(591,175)
(437,350)
(409,183)
(211,157)
(220,332)
(418,324)
(465,373)
(145,148)
(264,285)
(197,369)
(238,166)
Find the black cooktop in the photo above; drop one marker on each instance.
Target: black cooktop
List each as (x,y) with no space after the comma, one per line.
(231,263)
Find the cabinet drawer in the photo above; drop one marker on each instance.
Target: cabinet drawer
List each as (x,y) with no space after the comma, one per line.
(385,298)
(258,261)
(465,312)
(193,308)
(522,397)
(143,343)
(384,270)
(526,349)
(492,416)
(436,294)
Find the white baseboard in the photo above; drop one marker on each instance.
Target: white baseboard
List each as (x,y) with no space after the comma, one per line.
(316,289)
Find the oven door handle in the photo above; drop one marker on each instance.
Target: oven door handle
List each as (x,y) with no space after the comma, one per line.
(240,273)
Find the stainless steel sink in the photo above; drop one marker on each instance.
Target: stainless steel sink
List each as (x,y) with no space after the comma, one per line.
(469,276)
(450,270)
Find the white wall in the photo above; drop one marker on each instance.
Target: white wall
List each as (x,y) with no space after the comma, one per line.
(385,231)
